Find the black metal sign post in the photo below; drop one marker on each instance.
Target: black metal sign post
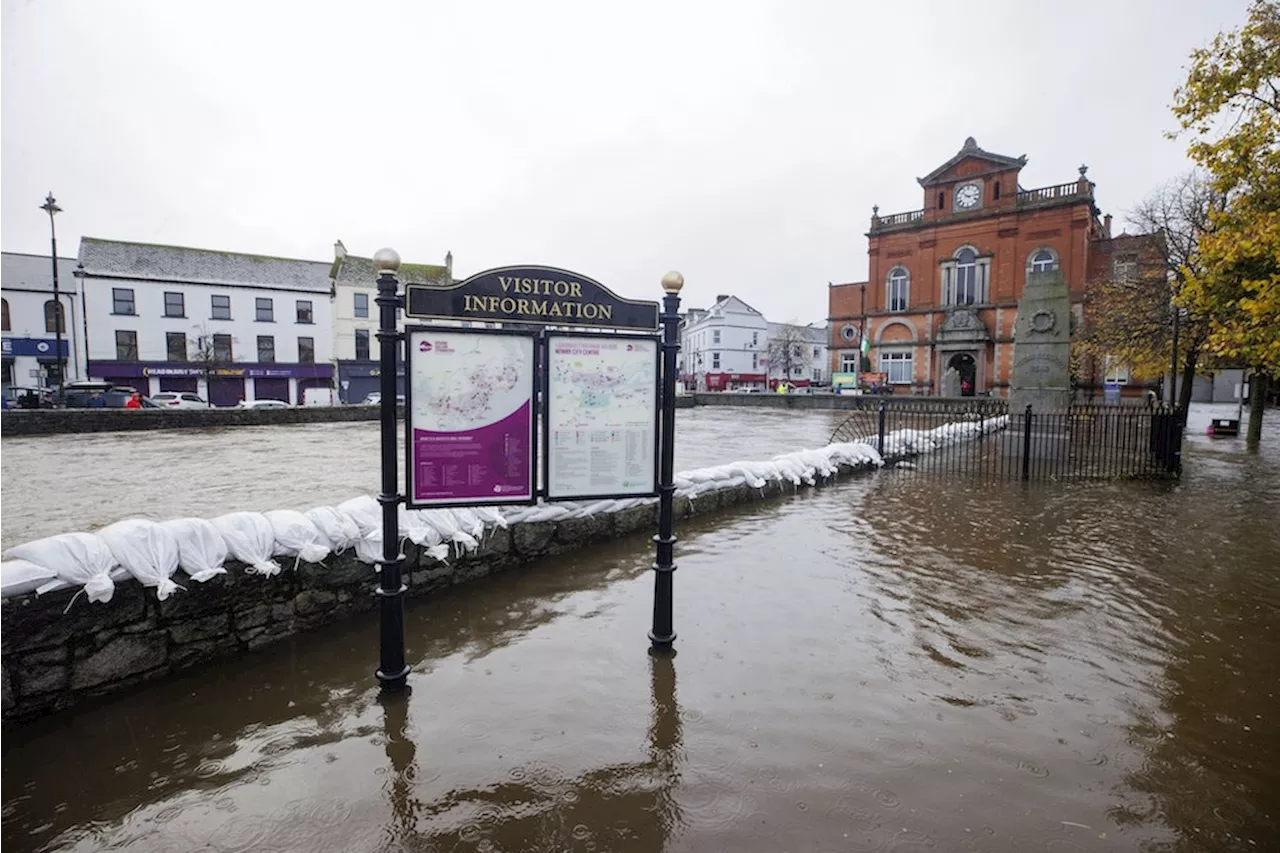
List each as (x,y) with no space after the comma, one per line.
(393,671)
(663,634)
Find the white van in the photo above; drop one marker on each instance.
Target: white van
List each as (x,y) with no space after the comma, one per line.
(319,397)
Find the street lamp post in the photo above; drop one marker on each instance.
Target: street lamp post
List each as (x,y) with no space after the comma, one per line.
(50,207)
(663,633)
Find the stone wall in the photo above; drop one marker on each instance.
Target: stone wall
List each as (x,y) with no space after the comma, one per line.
(54,660)
(54,421)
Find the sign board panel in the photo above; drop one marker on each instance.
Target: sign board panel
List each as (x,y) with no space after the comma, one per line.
(601,435)
(543,296)
(469,408)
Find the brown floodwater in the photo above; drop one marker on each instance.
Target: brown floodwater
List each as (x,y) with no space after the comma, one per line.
(897,662)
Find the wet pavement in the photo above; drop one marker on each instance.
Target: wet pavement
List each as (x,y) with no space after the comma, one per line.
(899,662)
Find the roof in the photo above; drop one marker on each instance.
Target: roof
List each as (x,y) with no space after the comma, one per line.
(147,262)
(353,269)
(971,149)
(19,270)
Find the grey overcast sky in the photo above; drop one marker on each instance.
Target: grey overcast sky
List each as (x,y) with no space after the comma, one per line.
(742,143)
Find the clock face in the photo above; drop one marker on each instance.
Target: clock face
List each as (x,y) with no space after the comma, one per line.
(968,196)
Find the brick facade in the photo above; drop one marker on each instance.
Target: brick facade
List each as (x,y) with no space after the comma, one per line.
(957,268)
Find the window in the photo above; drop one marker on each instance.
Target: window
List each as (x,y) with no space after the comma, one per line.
(1126,269)
(898,367)
(221,307)
(362,304)
(306,350)
(304,311)
(266,349)
(1115,371)
(264,310)
(817,375)
(815,352)
(755,361)
(222,348)
(126,346)
(174,305)
(122,300)
(715,336)
(362,344)
(4,314)
(848,362)
(942,200)
(715,359)
(965,278)
(996,194)
(54,317)
(1042,261)
(175,344)
(755,339)
(899,280)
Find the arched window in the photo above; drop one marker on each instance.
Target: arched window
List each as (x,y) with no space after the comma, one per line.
(54,317)
(966,277)
(4,310)
(898,283)
(1042,260)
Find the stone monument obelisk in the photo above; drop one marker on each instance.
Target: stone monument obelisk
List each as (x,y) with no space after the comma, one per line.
(1041,366)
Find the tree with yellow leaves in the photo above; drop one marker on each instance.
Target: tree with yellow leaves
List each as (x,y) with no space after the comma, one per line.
(1230,107)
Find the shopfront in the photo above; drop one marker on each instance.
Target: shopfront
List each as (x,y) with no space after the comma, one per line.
(221,386)
(358,379)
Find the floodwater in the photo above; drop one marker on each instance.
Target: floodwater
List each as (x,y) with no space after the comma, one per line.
(897,662)
(62,483)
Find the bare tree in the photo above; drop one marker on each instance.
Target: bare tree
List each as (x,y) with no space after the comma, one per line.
(1131,310)
(209,354)
(789,351)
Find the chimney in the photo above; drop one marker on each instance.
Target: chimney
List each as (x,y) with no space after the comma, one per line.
(339,250)
(722,297)
(448,264)
(1106,226)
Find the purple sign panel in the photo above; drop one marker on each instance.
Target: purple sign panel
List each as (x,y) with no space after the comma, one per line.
(470,411)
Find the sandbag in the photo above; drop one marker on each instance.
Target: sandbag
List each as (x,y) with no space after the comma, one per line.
(366,512)
(201,548)
(146,550)
(19,577)
(80,559)
(339,528)
(251,540)
(296,536)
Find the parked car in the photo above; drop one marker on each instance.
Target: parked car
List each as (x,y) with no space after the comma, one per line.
(375,398)
(179,400)
(263,404)
(113,399)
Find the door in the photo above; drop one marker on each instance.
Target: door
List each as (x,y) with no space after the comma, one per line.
(224,391)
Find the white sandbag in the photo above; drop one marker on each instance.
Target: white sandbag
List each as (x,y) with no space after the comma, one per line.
(296,536)
(339,528)
(369,548)
(250,539)
(447,524)
(469,522)
(415,527)
(366,512)
(146,550)
(201,548)
(491,516)
(19,577)
(80,559)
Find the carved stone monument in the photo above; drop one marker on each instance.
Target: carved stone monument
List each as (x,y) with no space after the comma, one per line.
(1042,345)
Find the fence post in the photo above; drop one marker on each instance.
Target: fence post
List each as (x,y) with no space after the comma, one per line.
(880,439)
(1026,444)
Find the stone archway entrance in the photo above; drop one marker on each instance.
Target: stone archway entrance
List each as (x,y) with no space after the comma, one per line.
(966,368)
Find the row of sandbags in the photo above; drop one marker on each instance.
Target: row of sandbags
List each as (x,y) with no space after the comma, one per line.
(152,552)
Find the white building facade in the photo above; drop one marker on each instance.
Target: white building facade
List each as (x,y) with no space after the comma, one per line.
(224,325)
(30,356)
(354,283)
(797,354)
(725,347)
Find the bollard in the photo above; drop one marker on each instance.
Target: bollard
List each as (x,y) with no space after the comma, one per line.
(663,634)
(1026,444)
(880,437)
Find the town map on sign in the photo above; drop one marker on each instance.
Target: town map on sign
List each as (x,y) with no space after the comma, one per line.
(472,381)
(604,384)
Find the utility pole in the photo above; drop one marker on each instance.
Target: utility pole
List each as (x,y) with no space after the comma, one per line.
(50,207)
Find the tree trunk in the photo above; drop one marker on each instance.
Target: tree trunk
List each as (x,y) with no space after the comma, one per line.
(1257,403)
(1188,377)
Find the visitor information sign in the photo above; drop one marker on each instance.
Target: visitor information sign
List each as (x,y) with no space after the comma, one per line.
(469,406)
(601,435)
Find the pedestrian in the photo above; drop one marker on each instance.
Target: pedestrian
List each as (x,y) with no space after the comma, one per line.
(135,401)
(97,401)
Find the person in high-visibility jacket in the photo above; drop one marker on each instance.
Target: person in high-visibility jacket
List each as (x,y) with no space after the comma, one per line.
(782,388)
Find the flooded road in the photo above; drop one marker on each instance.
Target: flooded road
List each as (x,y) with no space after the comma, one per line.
(897,662)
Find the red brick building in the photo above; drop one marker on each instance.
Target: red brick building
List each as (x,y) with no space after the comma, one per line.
(944,281)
